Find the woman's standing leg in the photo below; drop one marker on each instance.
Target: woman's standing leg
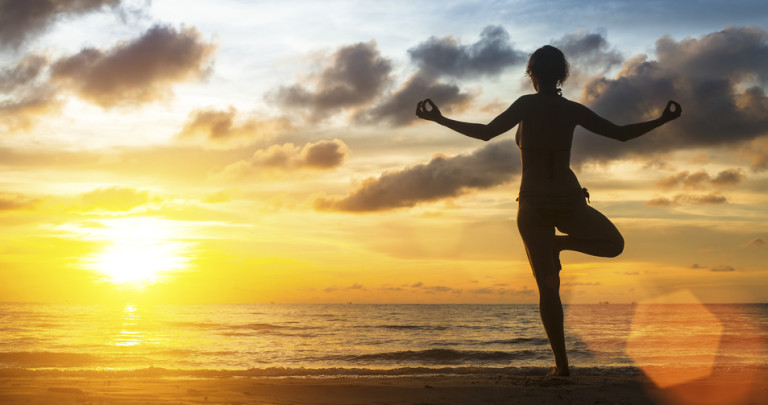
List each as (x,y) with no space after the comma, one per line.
(539,238)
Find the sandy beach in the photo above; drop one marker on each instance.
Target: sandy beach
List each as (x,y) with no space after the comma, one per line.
(415,390)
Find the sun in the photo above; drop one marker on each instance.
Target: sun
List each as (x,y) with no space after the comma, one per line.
(139,252)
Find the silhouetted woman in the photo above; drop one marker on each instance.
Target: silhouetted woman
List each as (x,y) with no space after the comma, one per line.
(550,195)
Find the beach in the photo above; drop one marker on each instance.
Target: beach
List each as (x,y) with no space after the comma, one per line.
(336,391)
(379,354)
(421,390)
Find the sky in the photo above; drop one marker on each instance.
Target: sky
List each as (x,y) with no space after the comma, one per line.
(259,151)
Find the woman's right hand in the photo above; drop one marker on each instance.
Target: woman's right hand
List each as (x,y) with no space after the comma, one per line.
(668,114)
(431,114)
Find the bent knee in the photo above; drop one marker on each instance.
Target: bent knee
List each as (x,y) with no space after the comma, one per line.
(617,246)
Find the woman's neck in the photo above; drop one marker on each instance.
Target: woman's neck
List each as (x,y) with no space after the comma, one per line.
(550,91)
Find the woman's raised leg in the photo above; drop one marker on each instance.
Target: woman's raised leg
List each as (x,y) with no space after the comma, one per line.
(589,232)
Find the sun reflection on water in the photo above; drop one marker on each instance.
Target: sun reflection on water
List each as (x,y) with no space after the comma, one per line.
(129,335)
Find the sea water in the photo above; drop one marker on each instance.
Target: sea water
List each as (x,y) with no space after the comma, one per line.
(311,339)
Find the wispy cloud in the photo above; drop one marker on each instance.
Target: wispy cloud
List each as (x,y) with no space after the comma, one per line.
(228,128)
(335,288)
(16,201)
(113,198)
(680,199)
(320,155)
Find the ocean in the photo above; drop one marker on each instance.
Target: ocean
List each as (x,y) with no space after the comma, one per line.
(377,339)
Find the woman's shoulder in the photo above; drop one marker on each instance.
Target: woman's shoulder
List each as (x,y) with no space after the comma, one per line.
(572,103)
(524,99)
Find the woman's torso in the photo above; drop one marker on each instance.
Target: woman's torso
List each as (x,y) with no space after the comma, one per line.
(544,136)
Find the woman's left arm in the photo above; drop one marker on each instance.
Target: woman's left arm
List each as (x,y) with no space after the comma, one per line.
(601,126)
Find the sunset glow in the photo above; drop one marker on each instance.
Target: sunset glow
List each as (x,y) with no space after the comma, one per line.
(183,152)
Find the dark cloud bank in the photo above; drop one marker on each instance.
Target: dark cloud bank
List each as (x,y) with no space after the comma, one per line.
(446,58)
(717,78)
(355,78)
(442,177)
(352,77)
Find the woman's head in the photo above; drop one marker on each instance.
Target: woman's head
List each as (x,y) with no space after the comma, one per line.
(547,68)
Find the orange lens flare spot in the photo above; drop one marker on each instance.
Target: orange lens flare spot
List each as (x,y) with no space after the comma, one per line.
(674,326)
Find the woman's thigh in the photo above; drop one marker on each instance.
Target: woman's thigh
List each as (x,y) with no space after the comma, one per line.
(589,224)
(538,234)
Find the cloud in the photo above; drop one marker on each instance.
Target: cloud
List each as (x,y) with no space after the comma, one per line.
(680,199)
(23,74)
(757,242)
(588,53)
(352,77)
(334,288)
(722,268)
(356,79)
(525,291)
(444,57)
(27,98)
(701,179)
(443,177)
(114,198)
(321,155)
(21,20)
(221,196)
(440,289)
(19,115)
(136,72)
(580,283)
(715,78)
(448,57)
(226,128)
(757,152)
(399,107)
(15,201)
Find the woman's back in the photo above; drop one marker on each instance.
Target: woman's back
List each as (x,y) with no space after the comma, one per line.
(544,135)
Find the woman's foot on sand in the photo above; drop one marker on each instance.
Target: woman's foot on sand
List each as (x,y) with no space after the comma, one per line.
(559,372)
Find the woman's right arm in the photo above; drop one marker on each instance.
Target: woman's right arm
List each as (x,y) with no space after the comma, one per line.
(601,126)
(503,123)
